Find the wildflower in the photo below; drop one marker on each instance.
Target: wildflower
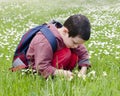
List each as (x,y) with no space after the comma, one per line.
(76,71)
(92,74)
(104,74)
(71,77)
(83,76)
(23,73)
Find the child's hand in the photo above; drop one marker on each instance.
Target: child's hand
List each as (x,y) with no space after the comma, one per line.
(68,74)
(82,72)
(65,73)
(81,75)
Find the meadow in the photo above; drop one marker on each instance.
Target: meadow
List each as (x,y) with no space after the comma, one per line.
(102,79)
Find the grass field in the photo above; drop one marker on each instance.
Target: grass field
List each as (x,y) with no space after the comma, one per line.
(103,78)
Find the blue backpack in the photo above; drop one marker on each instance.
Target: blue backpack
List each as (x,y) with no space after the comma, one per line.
(19,59)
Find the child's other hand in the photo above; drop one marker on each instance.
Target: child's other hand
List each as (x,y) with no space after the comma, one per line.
(65,73)
(68,74)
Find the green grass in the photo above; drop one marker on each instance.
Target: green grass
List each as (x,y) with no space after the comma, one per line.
(16,17)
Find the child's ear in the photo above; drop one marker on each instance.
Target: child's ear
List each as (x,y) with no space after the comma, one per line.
(66,30)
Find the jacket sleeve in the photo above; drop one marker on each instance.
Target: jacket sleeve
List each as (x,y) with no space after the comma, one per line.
(83,56)
(43,55)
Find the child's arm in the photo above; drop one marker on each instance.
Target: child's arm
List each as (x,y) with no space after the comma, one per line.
(83,60)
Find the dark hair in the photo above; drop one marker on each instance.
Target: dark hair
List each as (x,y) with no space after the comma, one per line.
(78,25)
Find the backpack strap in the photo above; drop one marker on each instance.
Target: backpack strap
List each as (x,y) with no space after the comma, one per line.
(50,37)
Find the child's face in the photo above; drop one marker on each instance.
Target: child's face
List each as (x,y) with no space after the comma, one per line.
(72,42)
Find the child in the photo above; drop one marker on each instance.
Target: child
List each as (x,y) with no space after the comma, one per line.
(70,49)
